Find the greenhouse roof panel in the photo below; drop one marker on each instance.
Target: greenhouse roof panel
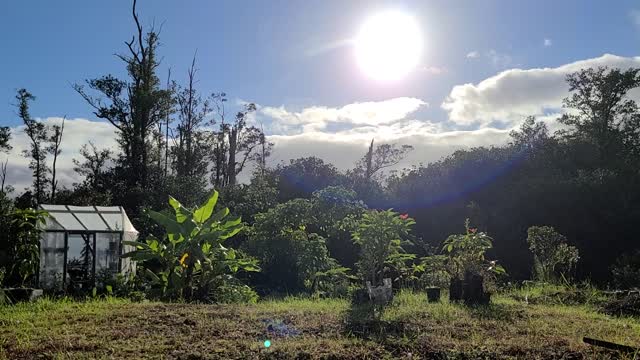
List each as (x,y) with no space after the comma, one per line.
(86,218)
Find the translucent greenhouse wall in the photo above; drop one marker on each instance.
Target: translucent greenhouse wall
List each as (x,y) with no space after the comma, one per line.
(83,243)
(52,259)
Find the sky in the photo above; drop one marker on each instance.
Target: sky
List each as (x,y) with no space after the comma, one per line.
(484,66)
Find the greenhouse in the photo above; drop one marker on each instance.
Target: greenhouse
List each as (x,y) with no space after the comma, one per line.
(82,243)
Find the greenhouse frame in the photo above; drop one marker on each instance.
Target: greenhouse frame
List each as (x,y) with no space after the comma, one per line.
(82,243)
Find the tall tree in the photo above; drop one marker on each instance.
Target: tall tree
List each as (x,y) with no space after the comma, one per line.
(601,111)
(3,177)
(37,133)
(93,168)
(235,143)
(383,156)
(219,151)
(135,106)
(54,149)
(242,140)
(5,137)
(191,140)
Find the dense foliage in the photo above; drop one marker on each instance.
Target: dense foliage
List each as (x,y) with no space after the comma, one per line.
(552,257)
(189,260)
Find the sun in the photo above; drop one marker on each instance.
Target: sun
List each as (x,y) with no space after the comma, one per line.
(388,45)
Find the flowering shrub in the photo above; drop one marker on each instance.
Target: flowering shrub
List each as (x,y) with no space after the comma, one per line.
(381,235)
(466,253)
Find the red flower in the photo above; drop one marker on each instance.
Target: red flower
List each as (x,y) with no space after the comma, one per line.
(404,216)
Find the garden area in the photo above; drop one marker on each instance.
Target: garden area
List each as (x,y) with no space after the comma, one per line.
(466,310)
(186,239)
(307,328)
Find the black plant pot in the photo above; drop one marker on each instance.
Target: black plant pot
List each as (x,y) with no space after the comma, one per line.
(433,294)
(455,290)
(14,295)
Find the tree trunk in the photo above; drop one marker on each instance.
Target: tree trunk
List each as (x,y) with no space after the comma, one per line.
(231,168)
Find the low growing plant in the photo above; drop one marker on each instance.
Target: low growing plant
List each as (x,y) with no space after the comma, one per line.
(381,234)
(553,258)
(466,253)
(190,261)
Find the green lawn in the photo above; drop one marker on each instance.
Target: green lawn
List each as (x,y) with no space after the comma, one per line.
(409,328)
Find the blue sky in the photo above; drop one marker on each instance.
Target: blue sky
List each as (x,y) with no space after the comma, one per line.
(484,67)
(259,50)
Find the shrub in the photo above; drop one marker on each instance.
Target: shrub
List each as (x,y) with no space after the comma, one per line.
(189,261)
(20,239)
(434,271)
(466,253)
(626,271)
(552,256)
(381,235)
(291,255)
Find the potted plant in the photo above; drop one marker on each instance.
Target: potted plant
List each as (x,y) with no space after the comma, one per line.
(467,265)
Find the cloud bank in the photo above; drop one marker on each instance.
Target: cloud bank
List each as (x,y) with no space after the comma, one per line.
(77,132)
(513,94)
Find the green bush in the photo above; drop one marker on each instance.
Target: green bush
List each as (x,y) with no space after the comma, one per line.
(20,243)
(380,235)
(626,271)
(290,253)
(190,261)
(466,253)
(553,258)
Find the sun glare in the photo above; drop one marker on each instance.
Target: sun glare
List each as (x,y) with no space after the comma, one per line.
(388,45)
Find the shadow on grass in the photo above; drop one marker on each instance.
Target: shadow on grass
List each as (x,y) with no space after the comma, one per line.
(364,321)
(497,312)
(397,337)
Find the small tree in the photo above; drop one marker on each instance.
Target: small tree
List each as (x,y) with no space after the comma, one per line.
(552,255)
(381,235)
(37,133)
(21,239)
(467,253)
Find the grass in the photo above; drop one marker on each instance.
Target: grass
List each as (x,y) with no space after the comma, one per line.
(328,328)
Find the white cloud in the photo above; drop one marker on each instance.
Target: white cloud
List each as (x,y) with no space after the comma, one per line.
(340,135)
(76,133)
(513,94)
(344,149)
(319,117)
(473,55)
(547,42)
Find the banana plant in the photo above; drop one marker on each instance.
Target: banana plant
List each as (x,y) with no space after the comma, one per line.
(189,261)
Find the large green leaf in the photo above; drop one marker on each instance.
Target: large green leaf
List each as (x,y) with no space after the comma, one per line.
(231,233)
(233,222)
(207,237)
(170,225)
(182,213)
(137,244)
(221,214)
(204,212)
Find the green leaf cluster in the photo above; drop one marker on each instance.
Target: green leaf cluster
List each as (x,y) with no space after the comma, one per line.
(190,261)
